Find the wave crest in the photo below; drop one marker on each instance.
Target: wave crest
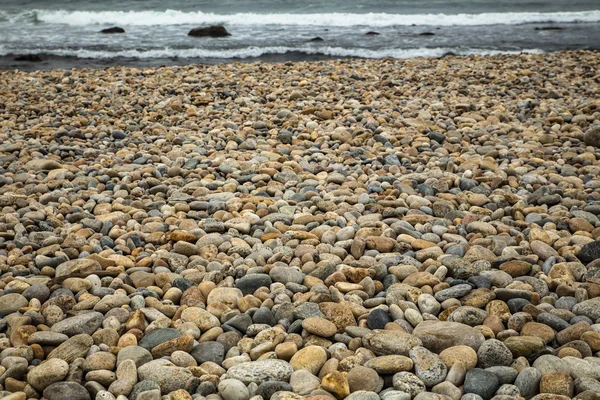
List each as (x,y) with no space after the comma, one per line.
(174,17)
(255,52)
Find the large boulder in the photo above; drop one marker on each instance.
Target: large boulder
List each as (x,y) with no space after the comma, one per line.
(209,31)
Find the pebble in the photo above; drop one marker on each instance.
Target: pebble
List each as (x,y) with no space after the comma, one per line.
(47,373)
(232,389)
(493,353)
(258,371)
(428,366)
(482,383)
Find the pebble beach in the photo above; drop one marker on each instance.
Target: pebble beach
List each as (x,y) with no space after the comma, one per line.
(355,229)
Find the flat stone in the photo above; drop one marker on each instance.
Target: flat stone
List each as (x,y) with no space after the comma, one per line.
(384,342)
(437,336)
(319,326)
(83,323)
(11,302)
(259,371)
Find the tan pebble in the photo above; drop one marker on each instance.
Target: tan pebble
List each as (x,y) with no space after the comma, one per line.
(336,384)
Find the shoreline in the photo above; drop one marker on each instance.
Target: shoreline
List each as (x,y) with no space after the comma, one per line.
(51,62)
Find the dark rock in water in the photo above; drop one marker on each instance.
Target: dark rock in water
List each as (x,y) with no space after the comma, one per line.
(549,28)
(372,33)
(28,57)
(448,54)
(114,29)
(316,39)
(426,34)
(210,31)
(589,252)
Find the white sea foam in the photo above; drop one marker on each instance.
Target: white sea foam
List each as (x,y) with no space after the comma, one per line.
(254,52)
(174,17)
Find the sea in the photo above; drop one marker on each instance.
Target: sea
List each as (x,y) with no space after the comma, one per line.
(65,33)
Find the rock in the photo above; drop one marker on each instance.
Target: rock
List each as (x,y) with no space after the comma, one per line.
(579,368)
(557,382)
(336,384)
(158,336)
(592,137)
(249,283)
(66,390)
(390,364)
(494,353)
(462,354)
(139,355)
(114,29)
(11,302)
(339,314)
(46,338)
(590,251)
(310,358)
(168,376)
(28,58)
(76,347)
(232,389)
(83,323)
(210,31)
(201,318)
(590,308)
(523,346)
(437,336)
(528,382)
(384,342)
(319,326)
(363,395)
(378,318)
(42,165)
(303,382)
(267,389)
(144,386)
(481,383)
(208,351)
(258,371)
(408,383)
(429,368)
(364,379)
(47,373)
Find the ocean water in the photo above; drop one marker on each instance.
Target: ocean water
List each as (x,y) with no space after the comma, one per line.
(67,31)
